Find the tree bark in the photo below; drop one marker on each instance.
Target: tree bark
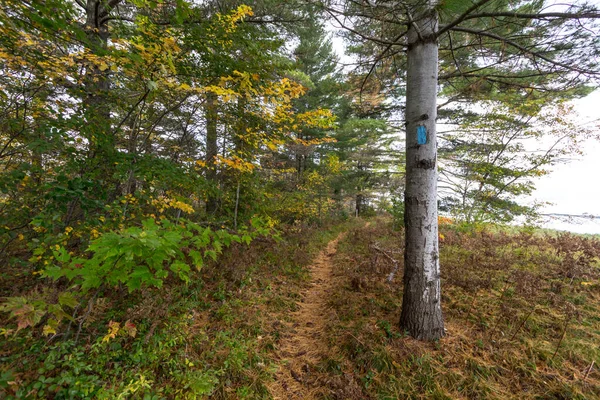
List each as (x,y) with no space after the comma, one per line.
(240,128)
(359,201)
(421,310)
(96,82)
(211,150)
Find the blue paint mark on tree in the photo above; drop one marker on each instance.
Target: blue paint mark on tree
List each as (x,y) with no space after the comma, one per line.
(421,134)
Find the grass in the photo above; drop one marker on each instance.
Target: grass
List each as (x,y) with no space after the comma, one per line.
(522,316)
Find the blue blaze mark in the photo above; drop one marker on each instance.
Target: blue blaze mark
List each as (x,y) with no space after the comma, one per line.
(421,134)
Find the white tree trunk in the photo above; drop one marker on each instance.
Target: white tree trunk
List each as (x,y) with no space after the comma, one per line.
(421,310)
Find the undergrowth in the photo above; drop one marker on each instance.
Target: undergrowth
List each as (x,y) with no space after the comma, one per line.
(522,315)
(209,337)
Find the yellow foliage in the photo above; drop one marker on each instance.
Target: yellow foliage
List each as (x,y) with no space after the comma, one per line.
(113,329)
(164,202)
(48,330)
(445,220)
(236,163)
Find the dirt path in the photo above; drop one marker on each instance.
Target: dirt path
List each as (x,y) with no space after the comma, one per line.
(302,346)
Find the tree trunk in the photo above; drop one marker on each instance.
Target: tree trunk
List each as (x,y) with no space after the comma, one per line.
(240,133)
(102,153)
(421,311)
(241,150)
(96,81)
(211,151)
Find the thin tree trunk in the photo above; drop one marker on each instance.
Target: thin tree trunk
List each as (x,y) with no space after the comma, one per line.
(240,150)
(359,201)
(96,82)
(240,129)
(96,102)
(211,150)
(237,203)
(421,311)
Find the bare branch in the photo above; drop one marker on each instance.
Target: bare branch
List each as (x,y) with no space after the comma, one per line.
(370,38)
(115,18)
(379,58)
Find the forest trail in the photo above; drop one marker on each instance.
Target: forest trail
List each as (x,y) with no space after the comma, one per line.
(302,345)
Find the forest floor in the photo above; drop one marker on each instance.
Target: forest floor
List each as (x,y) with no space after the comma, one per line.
(313,316)
(522,313)
(302,344)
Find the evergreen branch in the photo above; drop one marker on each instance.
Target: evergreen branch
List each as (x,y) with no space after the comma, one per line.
(593,14)
(524,49)
(461,17)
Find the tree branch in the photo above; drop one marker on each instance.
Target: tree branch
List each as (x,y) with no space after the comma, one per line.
(524,49)
(592,14)
(370,38)
(461,17)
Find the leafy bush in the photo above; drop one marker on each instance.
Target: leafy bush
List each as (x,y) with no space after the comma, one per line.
(137,257)
(147,255)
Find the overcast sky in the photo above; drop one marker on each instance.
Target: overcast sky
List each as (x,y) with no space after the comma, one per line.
(574,188)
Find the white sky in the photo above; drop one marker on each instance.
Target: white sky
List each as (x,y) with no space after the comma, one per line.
(574,188)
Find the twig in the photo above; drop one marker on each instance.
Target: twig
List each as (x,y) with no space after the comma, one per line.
(357,339)
(523,322)
(561,339)
(87,313)
(390,277)
(504,289)
(120,124)
(589,370)
(68,332)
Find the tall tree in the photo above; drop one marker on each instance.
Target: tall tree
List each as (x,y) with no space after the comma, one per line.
(421,303)
(316,63)
(364,146)
(513,44)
